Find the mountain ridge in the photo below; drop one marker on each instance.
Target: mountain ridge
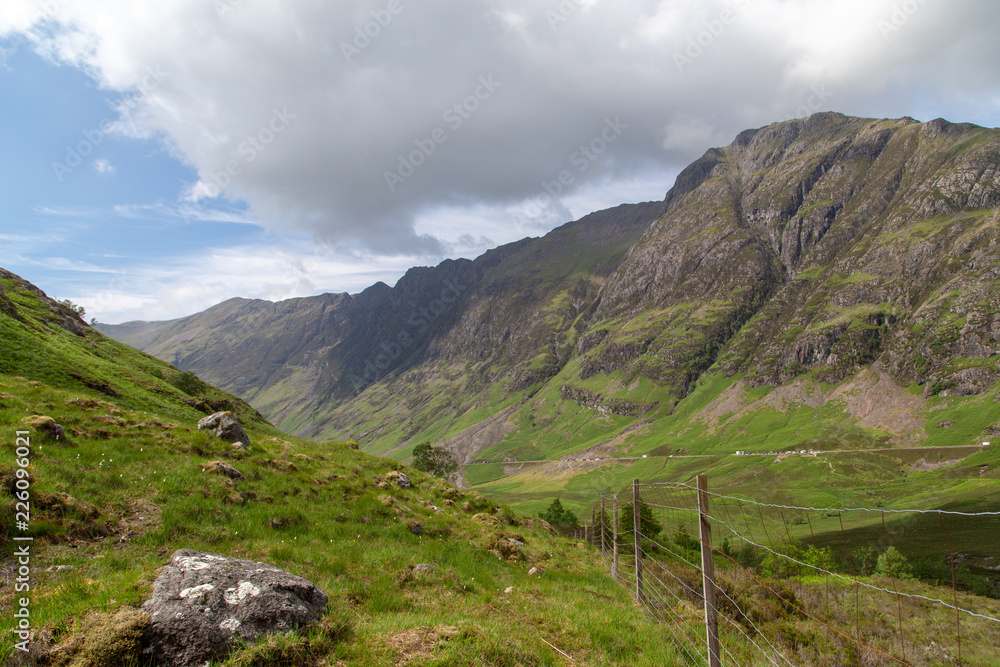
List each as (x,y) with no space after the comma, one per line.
(815,248)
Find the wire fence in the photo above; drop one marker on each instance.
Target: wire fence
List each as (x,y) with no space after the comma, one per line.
(742,582)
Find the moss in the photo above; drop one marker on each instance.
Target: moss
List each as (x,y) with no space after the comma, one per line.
(109,640)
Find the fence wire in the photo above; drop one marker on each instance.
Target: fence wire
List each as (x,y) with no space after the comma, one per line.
(795,584)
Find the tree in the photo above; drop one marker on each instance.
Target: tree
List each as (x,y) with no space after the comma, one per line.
(556,513)
(437,461)
(648,526)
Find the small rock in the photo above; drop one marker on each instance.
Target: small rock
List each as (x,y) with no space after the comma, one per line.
(224,469)
(364,519)
(424,568)
(386,500)
(508,590)
(239,446)
(59,568)
(536,570)
(414,527)
(403,480)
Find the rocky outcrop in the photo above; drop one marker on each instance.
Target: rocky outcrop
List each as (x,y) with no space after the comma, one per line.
(204,604)
(224,425)
(605,406)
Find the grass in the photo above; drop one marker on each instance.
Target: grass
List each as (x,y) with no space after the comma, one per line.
(324,520)
(133,466)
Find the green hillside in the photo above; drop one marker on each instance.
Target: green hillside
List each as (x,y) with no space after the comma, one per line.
(131,481)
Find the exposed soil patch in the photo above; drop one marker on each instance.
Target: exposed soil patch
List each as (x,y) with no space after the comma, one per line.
(871,397)
(467,444)
(878,402)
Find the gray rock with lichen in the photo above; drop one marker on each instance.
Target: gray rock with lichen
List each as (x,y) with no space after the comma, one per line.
(204,604)
(224,425)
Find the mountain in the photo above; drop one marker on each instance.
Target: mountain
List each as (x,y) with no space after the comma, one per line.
(119,477)
(834,276)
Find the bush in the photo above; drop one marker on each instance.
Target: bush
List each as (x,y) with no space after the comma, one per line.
(683,539)
(893,564)
(187,382)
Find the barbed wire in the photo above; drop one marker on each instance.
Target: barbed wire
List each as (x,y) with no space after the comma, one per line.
(828,509)
(672,505)
(853,580)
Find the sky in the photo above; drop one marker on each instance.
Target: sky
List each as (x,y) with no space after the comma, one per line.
(158,158)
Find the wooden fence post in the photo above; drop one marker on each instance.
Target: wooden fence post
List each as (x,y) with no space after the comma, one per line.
(593,525)
(708,572)
(638,542)
(604,549)
(614,526)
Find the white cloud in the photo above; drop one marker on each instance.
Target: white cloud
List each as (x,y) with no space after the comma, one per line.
(104,167)
(171,288)
(261,100)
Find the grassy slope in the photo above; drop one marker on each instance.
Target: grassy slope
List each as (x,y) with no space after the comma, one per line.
(317,510)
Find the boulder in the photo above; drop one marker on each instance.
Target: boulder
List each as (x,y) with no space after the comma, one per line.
(224,425)
(204,605)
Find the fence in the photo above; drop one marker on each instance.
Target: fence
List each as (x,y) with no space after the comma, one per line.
(756,583)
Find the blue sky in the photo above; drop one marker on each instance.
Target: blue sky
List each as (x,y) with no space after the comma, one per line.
(111,229)
(159,159)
